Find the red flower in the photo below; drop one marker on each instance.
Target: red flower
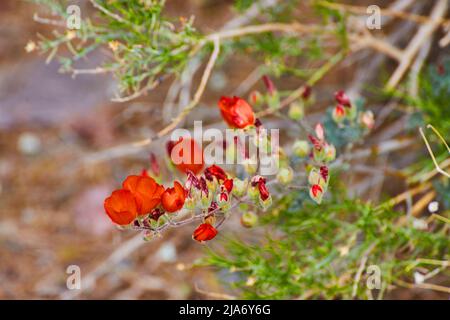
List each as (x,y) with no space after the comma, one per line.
(204,232)
(342,98)
(215,171)
(324,172)
(316,190)
(146,192)
(173,198)
(263,192)
(121,207)
(223,196)
(306,92)
(269,85)
(236,112)
(186,155)
(228,185)
(155,214)
(339,110)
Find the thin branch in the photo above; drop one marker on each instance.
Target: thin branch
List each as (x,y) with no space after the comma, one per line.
(293,27)
(58,23)
(107,12)
(430,151)
(424,33)
(387,12)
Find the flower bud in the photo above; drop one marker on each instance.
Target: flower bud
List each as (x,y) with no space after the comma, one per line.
(338,113)
(236,112)
(204,232)
(190,203)
(330,153)
(239,187)
(250,165)
(211,185)
(342,98)
(223,201)
(253,192)
(266,203)
(367,119)
(319,154)
(314,177)
(285,175)
(256,99)
(249,219)
(351,112)
(301,148)
(273,100)
(296,111)
(205,200)
(316,193)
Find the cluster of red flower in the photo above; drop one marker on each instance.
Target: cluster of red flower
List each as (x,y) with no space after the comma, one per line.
(142,197)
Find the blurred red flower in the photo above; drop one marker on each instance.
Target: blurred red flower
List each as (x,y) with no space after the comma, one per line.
(186,155)
(236,112)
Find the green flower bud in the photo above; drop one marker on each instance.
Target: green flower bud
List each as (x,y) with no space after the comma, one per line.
(351,112)
(239,187)
(273,100)
(296,111)
(319,155)
(265,204)
(301,148)
(190,203)
(314,176)
(249,219)
(253,193)
(256,99)
(285,175)
(205,200)
(330,153)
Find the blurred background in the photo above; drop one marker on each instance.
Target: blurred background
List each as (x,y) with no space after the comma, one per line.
(52,185)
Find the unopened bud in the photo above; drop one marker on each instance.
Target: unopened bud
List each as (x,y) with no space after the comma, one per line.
(249,219)
(253,193)
(301,148)
(338,113)
(273,100)
(330,153)
(256,99)
(296,111)
(285,175)
(239,187)
(351,112)
(265,204)
(367,119)
(316,193)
